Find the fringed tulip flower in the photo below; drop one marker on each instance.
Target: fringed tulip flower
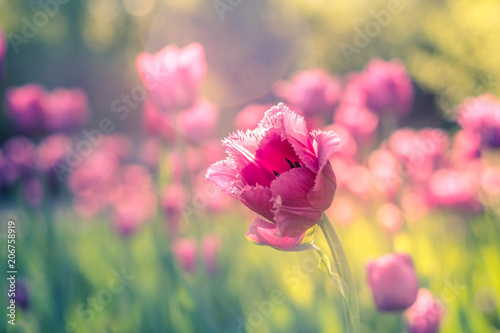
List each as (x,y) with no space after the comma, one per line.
(185,250)
(393,282)
(425,314)
(173,76)
(282,172)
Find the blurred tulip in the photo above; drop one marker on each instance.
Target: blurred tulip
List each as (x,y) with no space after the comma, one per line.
(360,121)
(151,151)
(116,145)
(281,171)
(51,150)
(455,189)
(311,92)
(361,182)
(387,172)
(173,76)
(416,203)
(184,250)
(342,211)
(26,107)
(210,247)
(393,282)
(384,87)
(8,171)
(173,202)
(156,123)
(466,146)
(347,145)
(250,116)
(65,109)
(425,314)
(21,153)
(199,122)
(482,115)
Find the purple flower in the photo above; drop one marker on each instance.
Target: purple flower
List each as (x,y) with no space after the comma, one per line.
(393,282)
(65,109)
(25,106)
(281,171)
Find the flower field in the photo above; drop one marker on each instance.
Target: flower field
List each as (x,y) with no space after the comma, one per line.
(235,166)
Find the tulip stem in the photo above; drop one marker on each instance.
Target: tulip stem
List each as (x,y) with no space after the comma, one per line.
(347,286)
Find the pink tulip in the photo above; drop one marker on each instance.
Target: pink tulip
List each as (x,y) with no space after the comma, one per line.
(156,123)
(466,146)
(51,151)
(65,109)
(455,188)
(185,253)
(249,117)
(384,87)
(173,203)
(425,314)
(482,115)
(173,76)
(311,92)
(26,107)
(150,152)
(199,122)
(393,282)
(210,247)
(360,121)
(386,170)
(20,152)
(347,146)
(281,171)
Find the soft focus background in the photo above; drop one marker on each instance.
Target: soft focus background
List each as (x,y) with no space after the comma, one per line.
(103,169)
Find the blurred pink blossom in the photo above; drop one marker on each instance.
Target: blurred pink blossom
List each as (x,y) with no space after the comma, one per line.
(482,115)
(198,122)
(173,76)
(393,282)
(416,203)
(347,145)
(281,171)
(173,203)
(26,107)
(185,250)
(425,314)
(360,121)
(210,247)
(383,86)
(150,152)
(311,92)
(52,149)
(466,146)
(156,123)
(20,152)
(342,211)
(65,109)
(387,171)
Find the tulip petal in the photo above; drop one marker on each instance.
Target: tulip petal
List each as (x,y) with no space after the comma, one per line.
(262,232)
(225,176)
(295,213)
(321,196)
(259,199)
(325,144)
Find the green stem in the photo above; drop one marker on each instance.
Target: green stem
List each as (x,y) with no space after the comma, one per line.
(350,301)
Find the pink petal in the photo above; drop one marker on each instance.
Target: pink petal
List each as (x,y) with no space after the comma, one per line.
(265,233)
(295,213)
(225,176)
(325,145)
(259,199)
(321,196)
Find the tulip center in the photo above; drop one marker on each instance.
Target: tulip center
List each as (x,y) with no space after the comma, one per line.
(273,157)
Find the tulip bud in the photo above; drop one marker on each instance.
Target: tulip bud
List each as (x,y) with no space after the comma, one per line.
(393,282)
